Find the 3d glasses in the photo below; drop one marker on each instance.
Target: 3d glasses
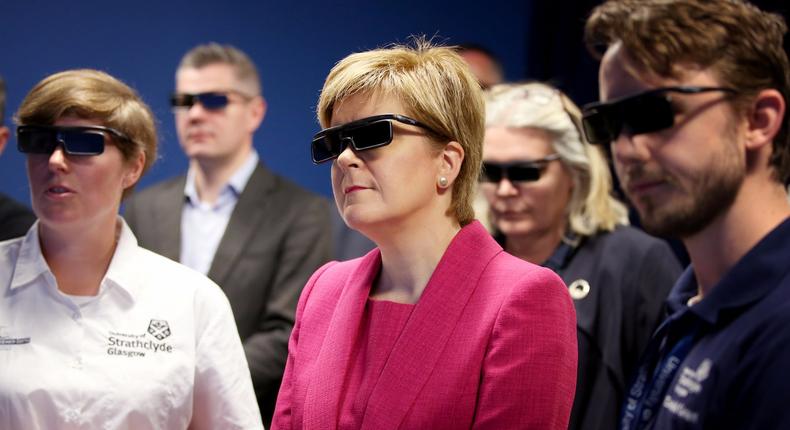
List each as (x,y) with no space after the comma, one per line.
(645,112)
(522,171)
(76,140)
(211,100)
(363,134)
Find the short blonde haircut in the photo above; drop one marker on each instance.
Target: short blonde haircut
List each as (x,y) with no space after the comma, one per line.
(535,105)
(435,86)
(94,95)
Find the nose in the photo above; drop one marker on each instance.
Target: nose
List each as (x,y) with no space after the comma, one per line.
(348,157)
(505,188)
(57,160)
(196,111)
(629,148)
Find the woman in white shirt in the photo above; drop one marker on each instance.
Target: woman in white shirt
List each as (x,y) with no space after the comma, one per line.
(96,332)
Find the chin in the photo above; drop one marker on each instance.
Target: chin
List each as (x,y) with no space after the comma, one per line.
(511,228)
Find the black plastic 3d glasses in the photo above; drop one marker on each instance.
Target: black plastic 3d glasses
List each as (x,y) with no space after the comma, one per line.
(76,140)
(645,112)
(362,134)
(520,171)
(214,100)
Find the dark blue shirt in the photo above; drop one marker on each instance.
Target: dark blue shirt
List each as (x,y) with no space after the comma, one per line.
(737,373)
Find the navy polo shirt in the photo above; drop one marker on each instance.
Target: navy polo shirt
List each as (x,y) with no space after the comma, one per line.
(737,373)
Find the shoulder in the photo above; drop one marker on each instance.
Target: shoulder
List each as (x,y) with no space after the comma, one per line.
(630,247)
(330,279)
(521,280)
(282,188)
(165,187)
(174,277)
(629,239)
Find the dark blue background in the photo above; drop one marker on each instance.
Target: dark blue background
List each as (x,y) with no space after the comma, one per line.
(294,45)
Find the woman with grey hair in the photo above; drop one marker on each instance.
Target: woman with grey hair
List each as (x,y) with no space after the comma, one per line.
(549,202)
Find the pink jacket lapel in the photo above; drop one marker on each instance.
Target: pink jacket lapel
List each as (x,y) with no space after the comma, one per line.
(419,347)
(323,394)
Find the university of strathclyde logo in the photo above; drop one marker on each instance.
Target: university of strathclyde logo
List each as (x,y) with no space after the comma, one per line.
(159,329)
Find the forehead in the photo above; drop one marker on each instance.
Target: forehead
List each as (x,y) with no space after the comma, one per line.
(363,105)
(75,121)
(516,144)
(620,76)
(212,77)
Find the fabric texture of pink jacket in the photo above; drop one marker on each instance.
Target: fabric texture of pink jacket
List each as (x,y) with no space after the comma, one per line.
(491,344)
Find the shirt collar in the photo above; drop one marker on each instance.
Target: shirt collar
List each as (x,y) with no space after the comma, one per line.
(235,184)
(30,263)
(753,277)
(121,273)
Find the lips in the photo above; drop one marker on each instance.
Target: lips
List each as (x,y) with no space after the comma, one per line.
(59,190)
(353,188)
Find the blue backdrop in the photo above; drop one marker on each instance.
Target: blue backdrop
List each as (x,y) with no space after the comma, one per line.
(294,45)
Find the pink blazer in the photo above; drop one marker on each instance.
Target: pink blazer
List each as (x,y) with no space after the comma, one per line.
(491,344)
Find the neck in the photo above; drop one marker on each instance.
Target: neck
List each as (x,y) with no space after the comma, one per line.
(535,248)
(79,258)
(212,175)
(756,211)
(409,256)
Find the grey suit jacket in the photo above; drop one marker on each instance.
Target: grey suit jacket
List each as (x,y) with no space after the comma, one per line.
(277,236)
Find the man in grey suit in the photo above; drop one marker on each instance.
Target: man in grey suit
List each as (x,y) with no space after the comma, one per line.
(254,233)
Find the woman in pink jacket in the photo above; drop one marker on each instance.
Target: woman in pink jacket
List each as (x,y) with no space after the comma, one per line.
(437,327)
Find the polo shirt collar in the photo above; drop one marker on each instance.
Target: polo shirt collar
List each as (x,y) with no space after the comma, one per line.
(122,272)
(30,263)
(753,277)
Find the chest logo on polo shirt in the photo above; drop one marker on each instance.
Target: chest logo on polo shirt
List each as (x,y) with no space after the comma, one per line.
(690,382)
(139,344)
(159,329)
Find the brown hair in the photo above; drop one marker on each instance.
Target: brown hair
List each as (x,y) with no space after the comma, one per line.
(95,95)
(435,85)
(214,53)
(738,41)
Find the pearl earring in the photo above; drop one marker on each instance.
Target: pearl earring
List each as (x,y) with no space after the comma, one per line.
(443,182)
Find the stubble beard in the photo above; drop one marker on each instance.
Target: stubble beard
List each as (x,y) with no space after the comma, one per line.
(712,192)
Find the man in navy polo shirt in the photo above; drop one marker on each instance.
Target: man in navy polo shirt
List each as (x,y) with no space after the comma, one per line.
(694,97)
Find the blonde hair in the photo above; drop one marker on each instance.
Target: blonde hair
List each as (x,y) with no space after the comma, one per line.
(535,105)
(94,95)
(435,86)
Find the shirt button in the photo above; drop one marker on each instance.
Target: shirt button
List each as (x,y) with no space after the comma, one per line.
(71,415)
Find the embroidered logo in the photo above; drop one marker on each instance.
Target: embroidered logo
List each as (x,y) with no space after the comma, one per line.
(678,401)
(690,380)
(159,329)
(579,289)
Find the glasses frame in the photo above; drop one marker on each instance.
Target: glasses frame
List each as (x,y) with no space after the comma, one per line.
(612,111)
(193,98)
(343,130)
(61,132)
(538,164)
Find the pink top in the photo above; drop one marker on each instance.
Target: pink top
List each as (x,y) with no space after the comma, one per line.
(381,325)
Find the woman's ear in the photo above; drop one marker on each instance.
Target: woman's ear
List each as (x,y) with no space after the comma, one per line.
(764,118)
(134,169)
(451,158)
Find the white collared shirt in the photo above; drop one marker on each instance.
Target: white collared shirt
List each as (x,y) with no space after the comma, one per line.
(156,348)
(203,224)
